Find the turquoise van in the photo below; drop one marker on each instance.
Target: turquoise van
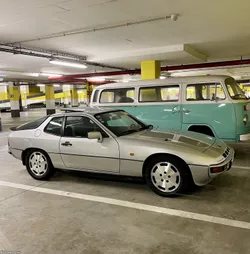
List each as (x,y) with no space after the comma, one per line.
(213,105)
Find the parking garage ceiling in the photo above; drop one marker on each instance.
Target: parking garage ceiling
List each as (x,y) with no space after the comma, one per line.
(204,31)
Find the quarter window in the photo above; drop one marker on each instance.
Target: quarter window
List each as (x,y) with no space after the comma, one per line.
(54,126)
(79,126)
(123,95)
(95,96)
(205,91)
(159,94)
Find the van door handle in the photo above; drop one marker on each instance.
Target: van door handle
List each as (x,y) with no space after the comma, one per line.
(175,110)
(67,143)
(186,111)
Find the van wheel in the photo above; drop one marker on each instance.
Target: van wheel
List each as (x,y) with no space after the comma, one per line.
(167,176)
(39,165)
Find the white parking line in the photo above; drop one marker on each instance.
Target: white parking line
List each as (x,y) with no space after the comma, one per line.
(133,205)
(240,167)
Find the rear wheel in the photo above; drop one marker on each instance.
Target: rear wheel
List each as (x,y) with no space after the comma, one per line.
(39,165)
(167,175)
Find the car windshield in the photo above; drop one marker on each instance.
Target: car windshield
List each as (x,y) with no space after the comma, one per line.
(121,123)
(234,89)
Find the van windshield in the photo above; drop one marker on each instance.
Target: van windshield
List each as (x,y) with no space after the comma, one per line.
(234,89)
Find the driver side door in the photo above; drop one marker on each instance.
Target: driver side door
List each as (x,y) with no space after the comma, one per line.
(79,152)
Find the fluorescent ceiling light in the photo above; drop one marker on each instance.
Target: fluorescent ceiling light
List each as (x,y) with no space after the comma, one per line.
(162,77)
(41,85)
(69,64)
(50,74)
(56,85)
(3,75)
(96,79)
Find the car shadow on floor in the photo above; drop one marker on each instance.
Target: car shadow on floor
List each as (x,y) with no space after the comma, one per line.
(126,182)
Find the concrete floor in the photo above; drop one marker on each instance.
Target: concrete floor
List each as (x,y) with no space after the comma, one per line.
(36,222)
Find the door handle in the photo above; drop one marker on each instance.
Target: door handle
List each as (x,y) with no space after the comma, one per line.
(67,143)
(186,111)
(174,110)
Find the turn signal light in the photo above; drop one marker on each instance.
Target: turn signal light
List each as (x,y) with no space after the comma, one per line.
(217,169)
(247,107)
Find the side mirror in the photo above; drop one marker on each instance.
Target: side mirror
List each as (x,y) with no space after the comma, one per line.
(95,135)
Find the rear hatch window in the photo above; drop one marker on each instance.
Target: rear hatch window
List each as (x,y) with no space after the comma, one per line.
(30,125)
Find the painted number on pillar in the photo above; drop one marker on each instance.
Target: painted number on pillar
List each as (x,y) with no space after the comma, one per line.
(11,95)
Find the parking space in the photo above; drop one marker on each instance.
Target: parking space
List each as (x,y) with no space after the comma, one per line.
(87,213)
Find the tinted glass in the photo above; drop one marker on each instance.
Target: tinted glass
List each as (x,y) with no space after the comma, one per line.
(79,126)
(159,94)
(32,125)
(120,122)
(54,126)
(122,95)
(205,91)
(95,96)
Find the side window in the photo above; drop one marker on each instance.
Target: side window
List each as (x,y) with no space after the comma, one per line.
(54,127)
(205,91)
(79,126)
(122,95)
(95,95)
(159,94)
(148,95)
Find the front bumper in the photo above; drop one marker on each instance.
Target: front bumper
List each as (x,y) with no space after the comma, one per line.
(202,175)
(17,153)
(245,137)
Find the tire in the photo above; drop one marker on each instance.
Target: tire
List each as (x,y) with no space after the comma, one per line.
(39,165)
(174,179)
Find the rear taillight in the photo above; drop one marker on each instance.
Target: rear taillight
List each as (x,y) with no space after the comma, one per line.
(217,169)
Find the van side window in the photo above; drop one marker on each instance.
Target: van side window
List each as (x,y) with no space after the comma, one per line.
(159,94)
(122,95)
(95,96)
(205,91)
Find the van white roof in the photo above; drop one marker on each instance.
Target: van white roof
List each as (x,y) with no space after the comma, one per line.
(172,80)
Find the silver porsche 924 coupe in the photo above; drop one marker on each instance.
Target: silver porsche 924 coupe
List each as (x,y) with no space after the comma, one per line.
(115,142)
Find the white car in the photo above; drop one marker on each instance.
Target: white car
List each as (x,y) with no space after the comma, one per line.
(115,142)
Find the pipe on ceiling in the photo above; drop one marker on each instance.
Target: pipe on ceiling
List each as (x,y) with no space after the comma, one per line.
(173,17)
(22,50)
(166,68)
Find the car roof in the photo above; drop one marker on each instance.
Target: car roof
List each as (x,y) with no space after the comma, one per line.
(83,110)
(167,81)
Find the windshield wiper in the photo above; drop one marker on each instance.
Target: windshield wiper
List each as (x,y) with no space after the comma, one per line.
(146,127)
(238,94)
(128,132)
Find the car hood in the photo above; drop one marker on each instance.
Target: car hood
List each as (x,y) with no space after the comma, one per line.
(188,139)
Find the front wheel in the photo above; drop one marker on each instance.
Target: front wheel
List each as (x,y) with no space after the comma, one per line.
(167,176)
(39,165)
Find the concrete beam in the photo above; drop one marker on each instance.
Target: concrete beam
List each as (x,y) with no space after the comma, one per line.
(196,54)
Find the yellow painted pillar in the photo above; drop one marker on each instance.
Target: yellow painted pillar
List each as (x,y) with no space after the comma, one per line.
(150,69)
(74,97)
(89,88)
(14,100)
(50,99)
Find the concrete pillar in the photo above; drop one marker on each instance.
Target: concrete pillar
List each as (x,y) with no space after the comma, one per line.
(89,88)
(14,100)
(150,69)
(74,97)
(50,99)
(1,127)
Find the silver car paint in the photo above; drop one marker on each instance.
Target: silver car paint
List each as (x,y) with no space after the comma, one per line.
(123,155)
